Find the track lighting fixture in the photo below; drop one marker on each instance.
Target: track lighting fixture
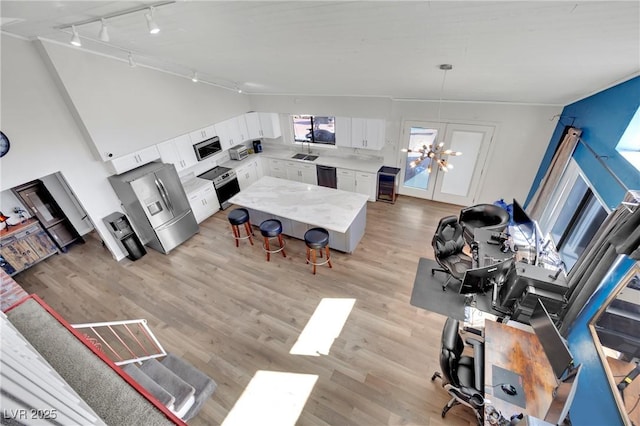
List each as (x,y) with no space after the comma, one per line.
(75,38)
(153,27)
(132,63)
(194,77)
(104,35)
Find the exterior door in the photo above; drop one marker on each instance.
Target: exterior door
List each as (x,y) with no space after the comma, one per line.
(459,185)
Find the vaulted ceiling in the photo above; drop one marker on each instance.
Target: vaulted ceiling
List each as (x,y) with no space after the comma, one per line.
(541,52)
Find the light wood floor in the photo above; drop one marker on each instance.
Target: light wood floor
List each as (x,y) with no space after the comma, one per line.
(230,313)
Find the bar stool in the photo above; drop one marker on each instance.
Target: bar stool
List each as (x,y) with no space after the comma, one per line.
(272,228)
(317,239)
(239,217)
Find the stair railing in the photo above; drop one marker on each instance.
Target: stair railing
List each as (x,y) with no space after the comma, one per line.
(123,342)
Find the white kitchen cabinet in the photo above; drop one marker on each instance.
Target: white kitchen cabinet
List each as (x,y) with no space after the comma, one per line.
(203,134)
(277,168)
(247,174)
(179,152)
(232,132)
(263,125)
(346,180)
(204,202)
(366,184)
(135,159)
(301,172)
(343,132)
(367,133)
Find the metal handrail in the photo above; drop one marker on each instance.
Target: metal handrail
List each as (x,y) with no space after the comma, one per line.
(123,344)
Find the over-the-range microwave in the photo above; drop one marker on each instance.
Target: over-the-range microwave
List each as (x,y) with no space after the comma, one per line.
(207,148)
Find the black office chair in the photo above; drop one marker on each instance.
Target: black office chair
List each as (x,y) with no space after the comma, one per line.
(486,216)
(448,243)
(462,376)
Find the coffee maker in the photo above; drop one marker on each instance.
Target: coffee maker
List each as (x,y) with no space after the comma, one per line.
(257,146)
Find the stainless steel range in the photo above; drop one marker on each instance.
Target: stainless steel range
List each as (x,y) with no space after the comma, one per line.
(225,182)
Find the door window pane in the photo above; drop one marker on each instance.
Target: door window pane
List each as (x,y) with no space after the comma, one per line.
(418,176)
(459,180)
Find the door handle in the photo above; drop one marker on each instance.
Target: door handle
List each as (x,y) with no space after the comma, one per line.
(163,193)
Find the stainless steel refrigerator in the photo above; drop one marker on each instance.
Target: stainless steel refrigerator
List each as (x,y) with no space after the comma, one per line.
(153,198)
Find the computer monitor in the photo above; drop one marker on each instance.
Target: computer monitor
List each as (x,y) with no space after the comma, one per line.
(526,230)
(552,342)
(479,279)
(563,398)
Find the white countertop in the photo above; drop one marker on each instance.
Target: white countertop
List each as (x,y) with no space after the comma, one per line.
(194,184)
(328,208)
(351,162)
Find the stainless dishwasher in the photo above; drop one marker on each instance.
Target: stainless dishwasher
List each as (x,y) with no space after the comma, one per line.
(326,176)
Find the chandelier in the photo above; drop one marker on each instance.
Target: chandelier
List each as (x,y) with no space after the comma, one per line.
(435,153)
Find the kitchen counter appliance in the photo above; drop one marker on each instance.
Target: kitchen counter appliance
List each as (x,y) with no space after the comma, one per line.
(207,148)
(225,182)
(153,198)
(327,176)
(238,152)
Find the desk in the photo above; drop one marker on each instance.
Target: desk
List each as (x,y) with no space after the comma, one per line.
(520,352)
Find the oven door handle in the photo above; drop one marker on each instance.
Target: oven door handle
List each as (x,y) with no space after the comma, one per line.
(163,193)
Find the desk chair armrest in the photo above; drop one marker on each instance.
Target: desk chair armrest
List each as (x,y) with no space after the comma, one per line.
(472,396)
(478,363)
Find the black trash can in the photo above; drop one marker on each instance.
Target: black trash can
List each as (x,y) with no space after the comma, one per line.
(121,229)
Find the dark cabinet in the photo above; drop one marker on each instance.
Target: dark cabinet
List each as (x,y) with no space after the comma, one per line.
(42,205)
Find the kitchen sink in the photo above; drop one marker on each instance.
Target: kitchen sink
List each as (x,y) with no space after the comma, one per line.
(307,157)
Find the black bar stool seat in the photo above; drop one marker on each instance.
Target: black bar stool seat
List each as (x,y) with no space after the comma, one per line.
(272,228)
(317,239)
(239,217)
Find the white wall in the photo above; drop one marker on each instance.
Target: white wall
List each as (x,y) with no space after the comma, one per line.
(122,107)
(519,143)
(46,138)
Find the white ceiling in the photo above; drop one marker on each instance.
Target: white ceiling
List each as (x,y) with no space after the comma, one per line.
(546,52)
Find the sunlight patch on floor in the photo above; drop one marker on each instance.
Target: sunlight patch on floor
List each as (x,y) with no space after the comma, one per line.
(323,327)
(272,398)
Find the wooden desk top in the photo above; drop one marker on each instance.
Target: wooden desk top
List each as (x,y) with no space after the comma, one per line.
(518,351)
(12,229)
(631,393)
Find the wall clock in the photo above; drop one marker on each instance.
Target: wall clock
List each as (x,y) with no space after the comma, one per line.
(4,144)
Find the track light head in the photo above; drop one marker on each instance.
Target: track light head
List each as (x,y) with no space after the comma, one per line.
(75,38)
(104,34)
(194,77)
(153,27)
(132,63)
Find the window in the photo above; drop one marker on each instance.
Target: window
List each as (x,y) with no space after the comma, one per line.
(317,129)
(578,221)
(629,145)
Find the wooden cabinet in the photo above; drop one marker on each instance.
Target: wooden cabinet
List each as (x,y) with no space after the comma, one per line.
(366,184)
(204,202)
(232,132)
(301,172)
(41,204)
(135,159)
(346,180)
(278,168)
(343,132)
(202,134)
(367,133)
(355,181)
(248,173)
(263,125)
(24,245)
(179,152)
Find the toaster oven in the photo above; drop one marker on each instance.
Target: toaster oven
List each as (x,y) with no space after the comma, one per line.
(238,152)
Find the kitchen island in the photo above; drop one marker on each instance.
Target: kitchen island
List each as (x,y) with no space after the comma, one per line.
(300,206)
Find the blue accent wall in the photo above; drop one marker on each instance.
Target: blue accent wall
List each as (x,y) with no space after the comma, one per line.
(603,118)
(594,403)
